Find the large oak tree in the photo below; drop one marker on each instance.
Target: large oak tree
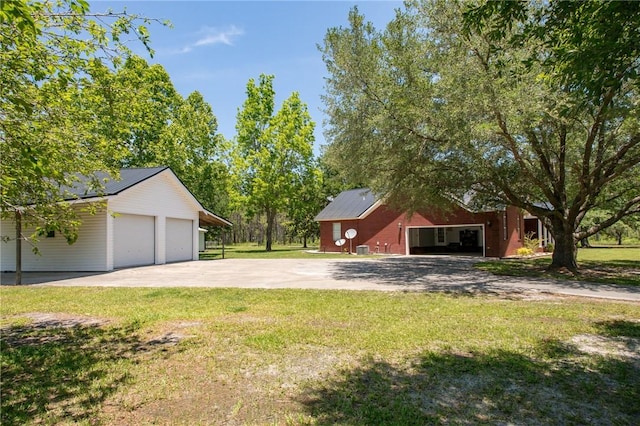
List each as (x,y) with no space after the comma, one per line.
(531,104)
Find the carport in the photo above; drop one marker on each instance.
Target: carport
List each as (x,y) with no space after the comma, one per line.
(468,239)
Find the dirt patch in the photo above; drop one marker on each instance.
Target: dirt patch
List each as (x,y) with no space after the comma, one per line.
(626,348)
(33,333)
(224,388)
(62,320)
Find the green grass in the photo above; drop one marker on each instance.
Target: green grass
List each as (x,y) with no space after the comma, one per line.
(233,356)
(607,265)
(254,251)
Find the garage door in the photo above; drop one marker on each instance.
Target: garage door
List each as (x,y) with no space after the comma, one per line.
(451,239)
(179,240)
(134,240)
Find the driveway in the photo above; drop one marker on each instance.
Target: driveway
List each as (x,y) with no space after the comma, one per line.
(424,273)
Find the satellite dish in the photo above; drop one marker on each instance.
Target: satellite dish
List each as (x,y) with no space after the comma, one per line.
(351,233)
(340,242)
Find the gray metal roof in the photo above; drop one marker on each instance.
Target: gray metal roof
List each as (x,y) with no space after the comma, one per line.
(349,204)
(128,178)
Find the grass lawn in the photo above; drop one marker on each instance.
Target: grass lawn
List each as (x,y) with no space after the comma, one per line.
(609,265)
(254,251)
(287,357)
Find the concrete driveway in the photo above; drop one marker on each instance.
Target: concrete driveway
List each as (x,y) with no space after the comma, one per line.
(424,273)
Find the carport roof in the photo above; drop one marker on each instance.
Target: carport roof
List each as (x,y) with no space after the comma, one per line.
(351,204)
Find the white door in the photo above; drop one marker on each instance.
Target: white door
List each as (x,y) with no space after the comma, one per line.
(179,240)
(133,240)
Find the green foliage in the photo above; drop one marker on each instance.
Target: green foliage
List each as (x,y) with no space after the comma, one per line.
(272,158)
(597,265)
(531,243)
(531,104)
(524,251)
(48,135)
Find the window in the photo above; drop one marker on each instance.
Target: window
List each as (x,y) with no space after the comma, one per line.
(337,231)
(441,235)
(51,234)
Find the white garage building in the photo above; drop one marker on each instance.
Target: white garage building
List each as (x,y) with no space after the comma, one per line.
(147,217)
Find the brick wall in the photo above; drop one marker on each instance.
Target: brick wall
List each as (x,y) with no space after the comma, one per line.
(380,230)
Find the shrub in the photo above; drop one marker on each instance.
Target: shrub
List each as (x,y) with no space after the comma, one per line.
(531,243)
(524,251)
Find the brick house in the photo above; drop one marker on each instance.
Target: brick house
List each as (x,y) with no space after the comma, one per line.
(496,233)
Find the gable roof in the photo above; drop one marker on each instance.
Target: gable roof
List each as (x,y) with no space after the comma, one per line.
(351,204)
(128,178)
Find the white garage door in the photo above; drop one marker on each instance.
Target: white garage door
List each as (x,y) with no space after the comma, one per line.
(179,240)
(134,240)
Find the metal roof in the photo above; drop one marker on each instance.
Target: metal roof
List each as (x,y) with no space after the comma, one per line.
(83,189)
(128,178)
(351,204)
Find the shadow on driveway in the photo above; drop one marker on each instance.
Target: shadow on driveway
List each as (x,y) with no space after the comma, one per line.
(434,273)
(456,274)
(31,278)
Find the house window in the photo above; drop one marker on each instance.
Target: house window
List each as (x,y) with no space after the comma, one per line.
(337,231)
(51,234)
(504,224)
(441,235)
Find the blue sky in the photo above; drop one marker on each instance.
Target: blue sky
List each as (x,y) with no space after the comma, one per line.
(215,47)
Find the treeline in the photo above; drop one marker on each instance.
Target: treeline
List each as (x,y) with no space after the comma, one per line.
(76,101)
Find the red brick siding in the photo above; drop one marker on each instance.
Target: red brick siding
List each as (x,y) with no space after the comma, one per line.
(515,232)
(381,227)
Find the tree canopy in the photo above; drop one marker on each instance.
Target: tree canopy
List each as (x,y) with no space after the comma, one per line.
(510,103)
(47,52)
(273,153)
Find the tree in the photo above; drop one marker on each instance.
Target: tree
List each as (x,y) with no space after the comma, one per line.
(273,152)
(47,49)
(513,103)
(304,207)
(193,148)
(157,127)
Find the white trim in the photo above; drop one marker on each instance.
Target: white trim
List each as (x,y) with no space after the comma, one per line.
(370,210)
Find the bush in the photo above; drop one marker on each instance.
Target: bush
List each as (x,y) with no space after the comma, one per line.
(531,243)
(549,248)
(524,251)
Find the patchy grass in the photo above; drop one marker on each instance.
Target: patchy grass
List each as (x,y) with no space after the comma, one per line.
(607,265)
(277,357)
(253,251)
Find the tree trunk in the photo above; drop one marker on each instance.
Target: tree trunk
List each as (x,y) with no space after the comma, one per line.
(271,219)
(18,248)
(304,241)
(565,249)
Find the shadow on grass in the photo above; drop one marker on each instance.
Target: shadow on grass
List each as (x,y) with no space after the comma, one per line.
(620,328)
(561,387)
(57,371)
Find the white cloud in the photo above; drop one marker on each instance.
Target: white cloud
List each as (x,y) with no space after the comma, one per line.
(211,36)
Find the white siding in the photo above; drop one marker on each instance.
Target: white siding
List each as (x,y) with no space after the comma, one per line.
(88,253)
(159,197)
(162,196)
